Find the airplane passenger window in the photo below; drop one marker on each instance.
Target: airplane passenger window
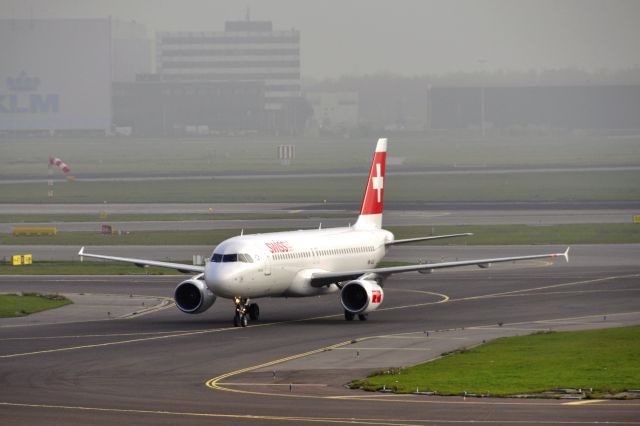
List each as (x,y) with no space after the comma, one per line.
(217,257)
(230,257)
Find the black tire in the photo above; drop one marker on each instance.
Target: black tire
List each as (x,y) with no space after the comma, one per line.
(243,321)
(363,317)
(348,315)
(254,312)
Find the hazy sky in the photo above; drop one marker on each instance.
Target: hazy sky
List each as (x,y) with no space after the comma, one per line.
(409,37)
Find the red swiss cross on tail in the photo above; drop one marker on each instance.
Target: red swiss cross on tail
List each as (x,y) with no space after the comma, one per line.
(373,201)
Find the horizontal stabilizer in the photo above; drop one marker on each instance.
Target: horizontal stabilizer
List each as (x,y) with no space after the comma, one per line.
(432,237)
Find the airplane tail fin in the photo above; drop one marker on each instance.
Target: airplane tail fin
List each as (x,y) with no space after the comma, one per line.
(373,200)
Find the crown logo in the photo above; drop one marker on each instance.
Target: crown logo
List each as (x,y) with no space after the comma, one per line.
(23,83)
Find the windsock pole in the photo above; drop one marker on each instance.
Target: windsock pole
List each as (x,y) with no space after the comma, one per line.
(50,181)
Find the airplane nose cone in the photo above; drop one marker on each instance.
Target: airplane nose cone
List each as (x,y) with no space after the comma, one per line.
(212,274)
(221,279)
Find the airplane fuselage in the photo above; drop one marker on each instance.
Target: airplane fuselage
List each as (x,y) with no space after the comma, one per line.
(281,263)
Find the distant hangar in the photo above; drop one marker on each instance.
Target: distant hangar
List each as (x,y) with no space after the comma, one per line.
(504,108)
(57,74)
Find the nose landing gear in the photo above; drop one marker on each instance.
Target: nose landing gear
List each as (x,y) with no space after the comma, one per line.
(244,309)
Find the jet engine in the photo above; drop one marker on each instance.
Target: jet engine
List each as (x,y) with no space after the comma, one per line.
(193,296)
(361,296)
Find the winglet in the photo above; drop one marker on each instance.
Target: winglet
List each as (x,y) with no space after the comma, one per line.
(80,253)
(566,254)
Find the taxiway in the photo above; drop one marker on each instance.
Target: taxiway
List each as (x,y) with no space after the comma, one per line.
(167,367)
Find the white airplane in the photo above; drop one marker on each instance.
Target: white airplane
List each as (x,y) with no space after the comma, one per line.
(306,263)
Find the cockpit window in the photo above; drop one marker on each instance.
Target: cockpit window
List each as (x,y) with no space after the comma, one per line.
(230,257)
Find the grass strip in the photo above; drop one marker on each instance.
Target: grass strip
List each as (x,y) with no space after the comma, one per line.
(168,217)
(565,234)
(15,305)
(526,186)
(607,361)
(87,267)
(601,233)
(109,156)
(75,267)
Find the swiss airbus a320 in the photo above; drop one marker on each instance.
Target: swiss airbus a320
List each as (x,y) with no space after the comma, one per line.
(307,263)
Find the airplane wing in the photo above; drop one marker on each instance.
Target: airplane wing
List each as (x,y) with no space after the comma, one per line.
(433,237)
(320,279)
(180,267)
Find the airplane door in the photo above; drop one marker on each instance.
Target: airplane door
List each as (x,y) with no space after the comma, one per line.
(267,265)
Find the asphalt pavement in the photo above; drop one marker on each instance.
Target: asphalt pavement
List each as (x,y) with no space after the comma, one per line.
(166,367)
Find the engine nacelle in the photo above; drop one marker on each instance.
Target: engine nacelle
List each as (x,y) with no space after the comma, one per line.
(193,296)
(361,296)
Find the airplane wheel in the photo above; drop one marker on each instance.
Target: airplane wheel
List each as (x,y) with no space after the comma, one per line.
(243,321)
(363,317)
(348,315)
(254,312)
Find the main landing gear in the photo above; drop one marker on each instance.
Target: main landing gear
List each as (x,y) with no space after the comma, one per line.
(349,316)
(244,309)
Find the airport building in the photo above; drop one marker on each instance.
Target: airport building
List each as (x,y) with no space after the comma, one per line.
(57,74)
(334,111)
(246,52)
(595,108)
(151,107)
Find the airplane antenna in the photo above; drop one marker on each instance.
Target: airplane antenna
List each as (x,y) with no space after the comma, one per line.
(320,227)
(242,232)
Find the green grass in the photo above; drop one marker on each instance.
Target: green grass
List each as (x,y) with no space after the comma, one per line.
(76,267)
(13,305)
(87,267)
(598,233)
(118,157)
(140,156)
(552,186)
(605,360)
(142,217)
(152,238)
(613,233)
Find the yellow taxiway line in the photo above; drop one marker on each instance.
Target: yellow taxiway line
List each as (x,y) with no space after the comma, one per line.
(585,402)
(300,419)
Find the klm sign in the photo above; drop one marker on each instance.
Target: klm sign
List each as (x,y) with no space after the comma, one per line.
(24,99)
